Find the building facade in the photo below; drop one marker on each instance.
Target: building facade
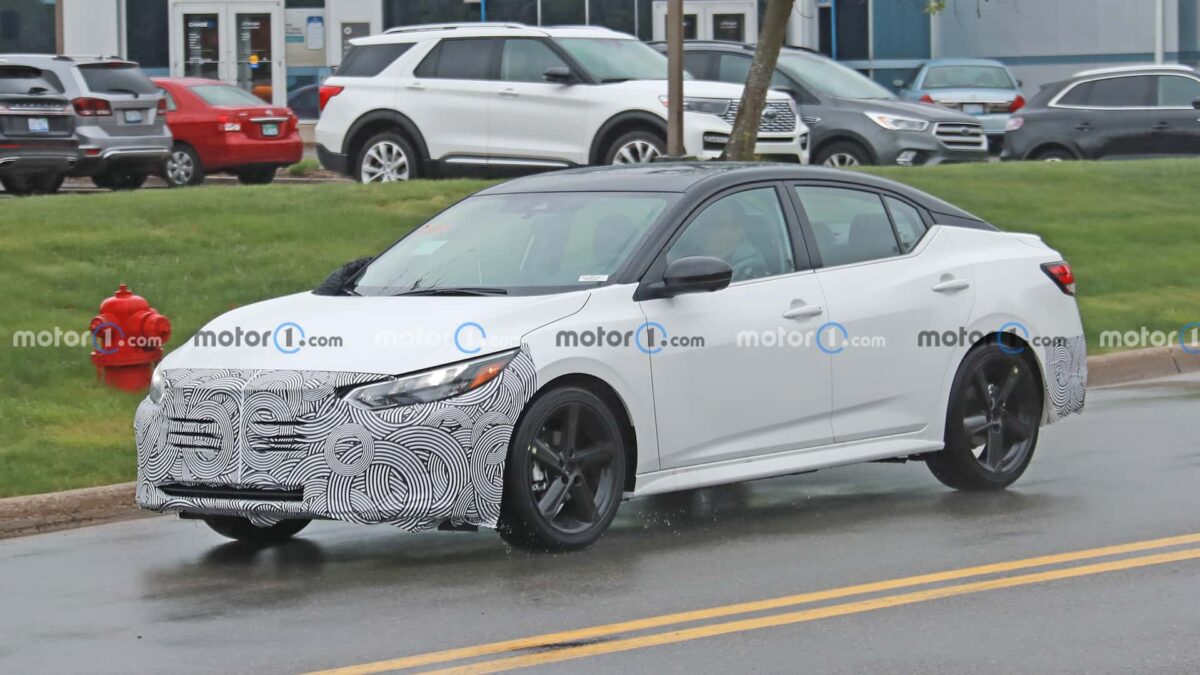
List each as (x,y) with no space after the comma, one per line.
(282,49)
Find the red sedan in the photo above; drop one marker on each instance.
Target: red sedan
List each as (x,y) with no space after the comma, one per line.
(219,127)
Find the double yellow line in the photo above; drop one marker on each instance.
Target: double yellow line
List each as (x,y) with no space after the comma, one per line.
(565,645)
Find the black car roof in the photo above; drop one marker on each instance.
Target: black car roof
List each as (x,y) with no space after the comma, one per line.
(706,177)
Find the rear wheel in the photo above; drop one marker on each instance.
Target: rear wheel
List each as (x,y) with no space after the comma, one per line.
(1055,154)
(242,529)
(120,179)
(387,158)
(256,175)
(33,184)
(843,155)
(565,473)
(636,147)
(992,422)
(183,167)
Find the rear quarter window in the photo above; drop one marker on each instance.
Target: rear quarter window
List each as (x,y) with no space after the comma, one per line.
(116,78)
(370,60)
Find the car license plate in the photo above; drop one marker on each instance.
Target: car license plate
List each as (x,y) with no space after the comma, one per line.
(270,129)
(973,108)
(39,125)
(133,116)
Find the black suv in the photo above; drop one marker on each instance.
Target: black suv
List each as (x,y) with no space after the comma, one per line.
(1132,111)
(852,119)
(37,126)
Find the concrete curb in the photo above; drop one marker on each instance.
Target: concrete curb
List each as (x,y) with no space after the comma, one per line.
(92,506)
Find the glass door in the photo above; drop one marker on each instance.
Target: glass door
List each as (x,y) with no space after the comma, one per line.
(255,58)
(201,43)
(241,44)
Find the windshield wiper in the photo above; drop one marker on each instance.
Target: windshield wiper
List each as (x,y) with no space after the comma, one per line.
(118,90)
(459,290)
(37,91)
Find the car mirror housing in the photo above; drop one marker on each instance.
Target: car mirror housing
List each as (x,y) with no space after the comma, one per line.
(1196,104)
(696,274)
(558,75)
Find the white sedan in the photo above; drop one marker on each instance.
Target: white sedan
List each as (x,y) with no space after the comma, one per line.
(550,346)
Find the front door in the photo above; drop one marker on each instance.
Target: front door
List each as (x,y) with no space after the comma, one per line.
(241,44)
(518,129)
(735,372)
(731,20)
(1175,121)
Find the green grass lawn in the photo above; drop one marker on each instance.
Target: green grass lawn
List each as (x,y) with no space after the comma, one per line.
(1130,230)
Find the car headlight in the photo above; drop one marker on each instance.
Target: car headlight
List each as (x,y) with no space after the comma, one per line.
(158,386)
(895,123)
(710,106)
(431,385)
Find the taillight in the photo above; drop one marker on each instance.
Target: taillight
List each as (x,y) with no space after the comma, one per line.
(327,92)
(227,123)
(1014,124)
(1017,104)
(1060,273)
(926,98)
(92,107)
(162,106)
(293,123)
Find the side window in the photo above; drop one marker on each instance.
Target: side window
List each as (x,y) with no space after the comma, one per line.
(746,230)
(909,226)
(1176,91)
(698,64)
(370,60)
(171,107)
(1123,92)
(735,68)
(850,226)
(526,60)
(464,59)
(1078,95)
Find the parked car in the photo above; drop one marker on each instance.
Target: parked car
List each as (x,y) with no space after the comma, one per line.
(507,97)
(1132,111)
(984,89)
(37,141)
(584,336)
(219,127)
(118,117)
(852,119)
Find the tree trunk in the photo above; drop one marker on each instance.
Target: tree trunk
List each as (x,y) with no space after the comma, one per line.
(754,97)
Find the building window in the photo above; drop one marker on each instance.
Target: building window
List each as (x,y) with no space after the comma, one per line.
(27,26)
(146,26)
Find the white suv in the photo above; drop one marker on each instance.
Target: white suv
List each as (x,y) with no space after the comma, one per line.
(438,99)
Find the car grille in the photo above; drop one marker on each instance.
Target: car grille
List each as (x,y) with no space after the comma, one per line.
(961,136)
(194,433)
(276,436)
(778,117)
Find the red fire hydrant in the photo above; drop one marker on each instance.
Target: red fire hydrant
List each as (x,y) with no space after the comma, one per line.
(128,336)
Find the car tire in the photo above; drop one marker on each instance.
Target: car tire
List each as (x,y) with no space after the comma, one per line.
(33,184)
(120,179)
(183,168)
(843,155)
(386,158)
(256,175)
(992,420)
(241,529)
(635,147)
(1055,154)
(565,474)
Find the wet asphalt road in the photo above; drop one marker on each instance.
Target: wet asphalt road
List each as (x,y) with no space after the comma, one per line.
(165,596)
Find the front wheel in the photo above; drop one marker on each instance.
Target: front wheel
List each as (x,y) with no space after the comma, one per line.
(992,421)
(843,155)
(636,147)
(241,529)
(387,158)
(565,473)
(256,175)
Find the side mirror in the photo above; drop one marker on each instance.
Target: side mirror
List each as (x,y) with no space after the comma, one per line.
(696,274)
(1020,83)
(335,283)
(1196,104)
(558,75)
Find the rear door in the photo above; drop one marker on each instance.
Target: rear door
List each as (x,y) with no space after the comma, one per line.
(131,96)
(1175,122)
(450,96)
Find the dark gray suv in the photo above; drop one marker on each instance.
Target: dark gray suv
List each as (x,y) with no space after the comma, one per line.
(1130,111)
(853,120)
(37,141)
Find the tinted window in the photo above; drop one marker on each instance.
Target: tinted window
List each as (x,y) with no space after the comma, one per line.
(1078,95)
(370,60)
(850,226)
(746,230)
(909,226)
(1123,92)
(527,60)
(697,64)
(117,78)
(1175,91)
(23,80)
(735,68)
(459,60)
(226,96)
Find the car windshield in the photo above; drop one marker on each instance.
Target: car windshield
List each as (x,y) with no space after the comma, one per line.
(967,77)
(25,80)
(831,78)
(226,96)
(615,59)
(518,244)
(117,78)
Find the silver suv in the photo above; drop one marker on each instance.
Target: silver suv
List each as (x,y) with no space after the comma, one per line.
(120,117)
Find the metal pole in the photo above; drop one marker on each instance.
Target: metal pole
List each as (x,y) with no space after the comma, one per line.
(1159,32)
(675,78)
(587,12)
(483,10)
(539,7)
(637,33)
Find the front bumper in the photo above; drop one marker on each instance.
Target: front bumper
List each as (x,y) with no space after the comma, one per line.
(705,136)
(274,445)
(927,148)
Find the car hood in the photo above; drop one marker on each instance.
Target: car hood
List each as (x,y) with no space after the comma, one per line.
(966,95)
(696,88)
(921,111)
(387,335)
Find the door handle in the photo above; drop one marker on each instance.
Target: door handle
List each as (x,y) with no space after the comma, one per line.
(1161,126)
(509,93)
(950,285)
(804,312)
(1083,126)
(416,86)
